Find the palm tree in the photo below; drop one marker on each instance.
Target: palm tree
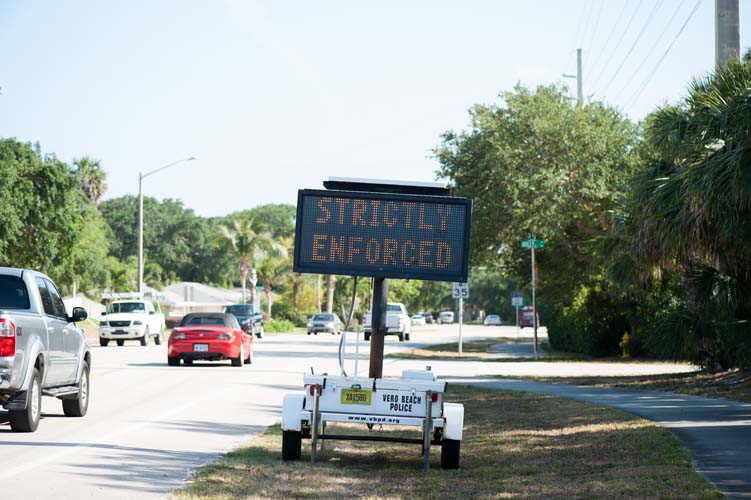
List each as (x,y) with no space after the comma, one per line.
(92,179)
(691,210)
(274,271)
(248,239)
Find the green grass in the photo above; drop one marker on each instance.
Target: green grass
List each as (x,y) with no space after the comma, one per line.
(516,445)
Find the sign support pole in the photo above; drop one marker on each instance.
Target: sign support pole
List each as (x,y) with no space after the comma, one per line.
(534,304)
(461,314)
(517,321)
(378,326)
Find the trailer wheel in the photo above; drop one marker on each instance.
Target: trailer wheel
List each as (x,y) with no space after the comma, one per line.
(450,451)
(291,445)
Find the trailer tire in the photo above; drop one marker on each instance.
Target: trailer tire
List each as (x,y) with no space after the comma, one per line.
(450,451)
(291,445)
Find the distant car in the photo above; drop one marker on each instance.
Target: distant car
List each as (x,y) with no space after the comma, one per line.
(209,336)
(428,318)
(131,320)
(418,319)
(492,320)
(249,317)
(325,322)
(446,317)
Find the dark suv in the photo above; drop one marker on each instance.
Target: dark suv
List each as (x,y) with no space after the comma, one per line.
(248,316)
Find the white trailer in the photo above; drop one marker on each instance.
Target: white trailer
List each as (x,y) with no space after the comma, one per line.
(414,400)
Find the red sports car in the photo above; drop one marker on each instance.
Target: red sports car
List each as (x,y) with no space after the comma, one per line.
(209,336)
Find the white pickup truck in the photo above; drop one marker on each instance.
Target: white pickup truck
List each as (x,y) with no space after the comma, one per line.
(131,320)
(398,321)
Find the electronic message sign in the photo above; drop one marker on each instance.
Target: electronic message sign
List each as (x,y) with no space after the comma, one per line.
(382,235)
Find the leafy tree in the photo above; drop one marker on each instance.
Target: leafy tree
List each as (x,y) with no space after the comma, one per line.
(274,271)
(278,217)
(41,203)
(537,164)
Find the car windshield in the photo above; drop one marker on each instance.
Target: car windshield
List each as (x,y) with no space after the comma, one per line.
(323,317)
(13,293)
(239,310)
(126,307)
(205,321)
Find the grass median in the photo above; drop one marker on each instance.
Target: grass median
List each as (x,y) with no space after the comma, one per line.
(477,350)
(516,445)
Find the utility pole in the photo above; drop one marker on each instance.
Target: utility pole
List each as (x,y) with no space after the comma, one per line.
(534,303)
(578,76)
(579,93)
(727,41)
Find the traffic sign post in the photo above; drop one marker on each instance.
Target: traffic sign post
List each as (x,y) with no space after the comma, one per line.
(530,244)
(460,291)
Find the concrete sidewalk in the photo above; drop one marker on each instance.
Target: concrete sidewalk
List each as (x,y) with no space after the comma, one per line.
(715,432)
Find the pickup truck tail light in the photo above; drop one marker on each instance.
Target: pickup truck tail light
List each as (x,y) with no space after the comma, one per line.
(7,338)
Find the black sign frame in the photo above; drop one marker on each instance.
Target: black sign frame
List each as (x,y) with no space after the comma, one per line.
(411,273)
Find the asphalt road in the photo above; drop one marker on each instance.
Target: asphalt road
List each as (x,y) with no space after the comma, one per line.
(150,425)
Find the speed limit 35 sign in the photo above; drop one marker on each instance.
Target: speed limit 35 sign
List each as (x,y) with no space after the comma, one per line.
(460,290)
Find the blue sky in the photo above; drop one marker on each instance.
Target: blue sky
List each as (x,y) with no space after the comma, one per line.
(275,96)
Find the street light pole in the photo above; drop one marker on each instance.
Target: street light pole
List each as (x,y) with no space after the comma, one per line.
(140,216)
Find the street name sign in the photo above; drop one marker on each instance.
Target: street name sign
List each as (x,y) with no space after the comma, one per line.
(384,235)
(528,244)
(460,290)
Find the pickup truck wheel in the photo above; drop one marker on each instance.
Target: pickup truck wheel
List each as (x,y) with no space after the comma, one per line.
(401,337)
(77,407)
(103,342)
(291,445)
(120,342)
(145,338)
(238,361)
(406,336)
(27,420)
(450,451)
(158,338)
(173,361)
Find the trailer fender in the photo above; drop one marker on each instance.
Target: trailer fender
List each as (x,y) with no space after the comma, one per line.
(453,414)
(292,405)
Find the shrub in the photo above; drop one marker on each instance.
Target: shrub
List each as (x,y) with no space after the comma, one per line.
(279,326)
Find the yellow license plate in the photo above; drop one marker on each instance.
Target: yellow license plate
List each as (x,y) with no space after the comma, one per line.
(356,397)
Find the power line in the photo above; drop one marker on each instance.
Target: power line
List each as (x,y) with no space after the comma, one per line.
(618,43)
(650,16)
(586,25)
(651,50)
(610,36)
(636,95)
(596,25)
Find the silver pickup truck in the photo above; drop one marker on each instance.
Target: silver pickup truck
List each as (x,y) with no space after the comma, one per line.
(42,351)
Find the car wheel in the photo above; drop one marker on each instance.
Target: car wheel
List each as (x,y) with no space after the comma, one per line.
(188,362)
(77,406)
(260,333)
(27,420)
(308,333)
(450,451)
(291,445)
(158,338)
(120,342)
(401,337)
(173,361)
(238,361)
(103,342)
(145,338)
(249,359)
